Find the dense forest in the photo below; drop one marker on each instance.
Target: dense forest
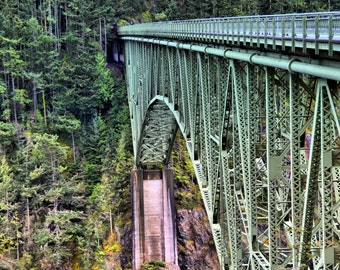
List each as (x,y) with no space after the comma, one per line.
(65,142)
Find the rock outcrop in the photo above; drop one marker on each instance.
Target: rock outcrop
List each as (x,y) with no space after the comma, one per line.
(196,249)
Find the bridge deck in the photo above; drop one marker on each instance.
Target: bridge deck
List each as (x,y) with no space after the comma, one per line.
(314,33)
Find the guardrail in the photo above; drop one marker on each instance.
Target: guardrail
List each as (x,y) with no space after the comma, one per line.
(317,31)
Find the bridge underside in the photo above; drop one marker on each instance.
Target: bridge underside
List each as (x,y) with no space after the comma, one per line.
(158,132)
(264,142)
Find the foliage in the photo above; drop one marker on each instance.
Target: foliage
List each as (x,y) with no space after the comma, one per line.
(61,118)
(153,265)
(187,193)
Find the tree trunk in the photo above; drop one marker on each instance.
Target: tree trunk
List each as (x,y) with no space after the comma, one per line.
(8,108)
(50,19)
(111,223)
(73,147)
(83,34)
(28,219)
(57,18)
(14,104)
(7,205)
(55,204)
(35,101)
(44,105)
(17,244)
(100,34)
(52,161)
(105,38)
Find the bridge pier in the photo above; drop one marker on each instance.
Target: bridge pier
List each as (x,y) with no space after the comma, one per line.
(153,217)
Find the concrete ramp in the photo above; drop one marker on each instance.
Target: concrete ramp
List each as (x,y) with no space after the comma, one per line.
(153,217)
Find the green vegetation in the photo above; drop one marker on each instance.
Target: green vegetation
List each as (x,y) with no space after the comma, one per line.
(65,142)
(187,193)
(65,148)
(153,265)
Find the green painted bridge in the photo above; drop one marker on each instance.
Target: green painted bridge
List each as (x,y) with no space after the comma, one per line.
(257,101)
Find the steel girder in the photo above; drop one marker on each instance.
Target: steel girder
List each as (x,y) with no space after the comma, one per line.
(264,146)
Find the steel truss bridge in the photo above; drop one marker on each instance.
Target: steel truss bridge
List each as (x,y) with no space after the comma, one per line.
(256,99)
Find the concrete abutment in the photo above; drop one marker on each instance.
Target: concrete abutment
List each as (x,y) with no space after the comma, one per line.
(154,227)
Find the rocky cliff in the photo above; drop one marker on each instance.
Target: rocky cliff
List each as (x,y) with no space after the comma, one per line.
(196,248)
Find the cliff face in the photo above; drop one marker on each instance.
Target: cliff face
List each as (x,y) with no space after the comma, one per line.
(196,248)
(195,245)
(125,257)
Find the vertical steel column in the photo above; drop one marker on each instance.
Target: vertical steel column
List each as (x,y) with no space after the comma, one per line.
(214,175)
(140,70)
(311,185)
(132,85)
(222,81)
(184,90)
(239,149)
(155,73)
(233,222)
(148,52)
(251,130)
(205,126)
(239,228)
(245,86)
(196,106)
(214,168)
(219,101)
(171,62)
(164,74)
(230,229)
(326,192)
(273,166)
(191,102)
(295,175)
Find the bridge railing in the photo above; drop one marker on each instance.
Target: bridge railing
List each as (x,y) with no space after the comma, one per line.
(318,31)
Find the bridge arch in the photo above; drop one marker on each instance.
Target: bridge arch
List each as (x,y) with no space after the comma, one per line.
(262,131)
(157,133)
(163,117)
